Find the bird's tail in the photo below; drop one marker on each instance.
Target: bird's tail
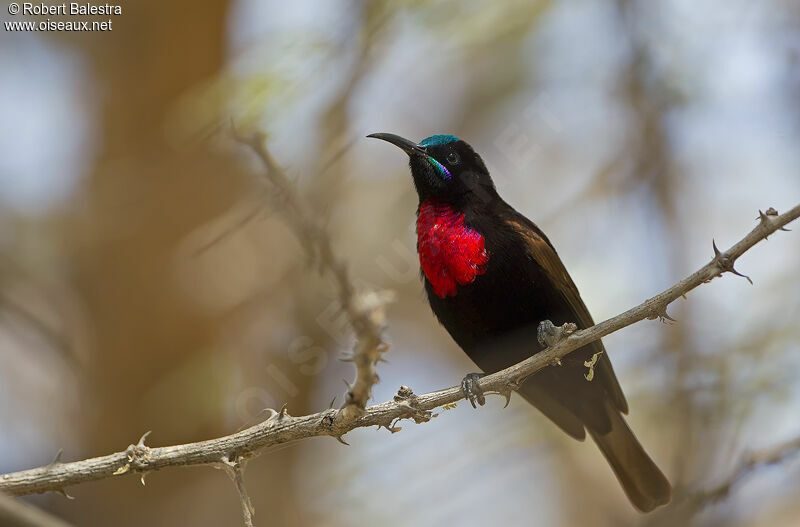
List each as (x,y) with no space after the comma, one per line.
(643,482)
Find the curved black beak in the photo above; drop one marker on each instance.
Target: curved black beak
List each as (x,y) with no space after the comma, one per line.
(409,147)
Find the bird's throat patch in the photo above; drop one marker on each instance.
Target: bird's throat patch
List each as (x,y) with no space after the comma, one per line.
(450,253)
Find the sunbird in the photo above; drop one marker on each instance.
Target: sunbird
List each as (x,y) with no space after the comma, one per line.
(495,281)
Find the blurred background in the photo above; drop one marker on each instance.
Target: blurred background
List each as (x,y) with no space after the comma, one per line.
(148,280)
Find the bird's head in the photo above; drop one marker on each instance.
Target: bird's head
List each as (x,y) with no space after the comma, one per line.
(444,167)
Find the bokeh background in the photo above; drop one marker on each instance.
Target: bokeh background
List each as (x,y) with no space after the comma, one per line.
(148,280)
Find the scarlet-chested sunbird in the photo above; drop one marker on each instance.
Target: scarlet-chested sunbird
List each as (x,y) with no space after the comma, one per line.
(492,277)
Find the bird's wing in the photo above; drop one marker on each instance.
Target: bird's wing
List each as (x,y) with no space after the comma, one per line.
(543,252)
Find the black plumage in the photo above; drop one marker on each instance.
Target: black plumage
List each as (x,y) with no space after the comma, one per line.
(495,310)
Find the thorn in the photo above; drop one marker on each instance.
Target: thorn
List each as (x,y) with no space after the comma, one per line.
(770,212)
(283,413)
(64,493)
(763,220)
(341,440)
(664,317)
(392,428)
(683,295)
(57,459)
(142,478)
(141,439)
(724,262)
(507,390)
(737,273)
(333,401)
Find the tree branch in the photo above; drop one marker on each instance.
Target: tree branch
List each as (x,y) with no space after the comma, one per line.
(748,465)
(235,469)
(365,310)
(689,502)
(15,513)
(281,427)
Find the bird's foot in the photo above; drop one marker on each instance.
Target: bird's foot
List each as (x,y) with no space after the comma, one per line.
(472,389)
(548,334)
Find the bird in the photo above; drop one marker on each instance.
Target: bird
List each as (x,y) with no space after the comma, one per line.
(496,283)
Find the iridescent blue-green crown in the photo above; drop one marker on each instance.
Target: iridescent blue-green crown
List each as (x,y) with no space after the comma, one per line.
(438,140)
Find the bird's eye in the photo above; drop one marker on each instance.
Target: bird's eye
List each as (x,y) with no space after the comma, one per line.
(453,158)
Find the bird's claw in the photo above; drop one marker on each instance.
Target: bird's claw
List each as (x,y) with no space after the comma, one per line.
(471,389)
(545,332)
(548,334)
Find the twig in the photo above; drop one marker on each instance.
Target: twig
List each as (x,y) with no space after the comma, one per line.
(365,311)
(690,502)
(281,427)
(231,229)
(59,341)
(748,465)
(236,471)
(15,513)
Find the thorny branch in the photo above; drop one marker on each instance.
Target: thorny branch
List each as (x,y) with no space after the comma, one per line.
(15,513)
(281,427)
(236,470)
(365,310)
(748,465)
(689,502)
